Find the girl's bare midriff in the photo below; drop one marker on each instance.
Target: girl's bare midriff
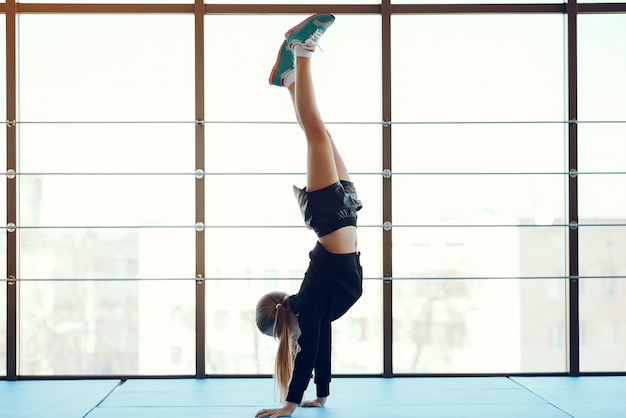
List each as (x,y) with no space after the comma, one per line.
(341,241)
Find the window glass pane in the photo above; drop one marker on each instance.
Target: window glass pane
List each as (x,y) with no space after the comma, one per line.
(107,148)
(254,148)
(601,199)
(479,148)
(602,293)
(3,201)
(458,252)
(601,67)
(601,146)
(253,261)
(478,326)
(107,327)
(142,70)
(449,322)
(81,200)
(478,200)
(543,302)
(602,173)
(443,174)
(69,199)
(346,89)
(602,296)
(477,68)
(110,324)
(102,253)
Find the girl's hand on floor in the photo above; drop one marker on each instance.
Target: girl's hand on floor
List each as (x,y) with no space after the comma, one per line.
(285,411)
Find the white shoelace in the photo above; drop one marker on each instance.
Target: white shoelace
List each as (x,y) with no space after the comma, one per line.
(312,42)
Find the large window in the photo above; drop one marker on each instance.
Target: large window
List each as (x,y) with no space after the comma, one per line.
(254,153)
(152,193)
(106,201)
(479,193)
(602,142)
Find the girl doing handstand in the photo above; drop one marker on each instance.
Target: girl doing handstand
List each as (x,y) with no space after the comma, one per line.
(333,281)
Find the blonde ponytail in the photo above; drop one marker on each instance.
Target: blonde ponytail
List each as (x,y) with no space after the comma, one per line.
(287,351)
(272,317)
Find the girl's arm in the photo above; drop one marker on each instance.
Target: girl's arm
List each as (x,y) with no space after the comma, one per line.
(322,362)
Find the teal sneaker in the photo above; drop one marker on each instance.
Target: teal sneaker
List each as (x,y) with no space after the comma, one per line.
(284,64)
(309,31)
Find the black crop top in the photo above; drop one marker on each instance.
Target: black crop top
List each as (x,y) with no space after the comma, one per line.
(331,285)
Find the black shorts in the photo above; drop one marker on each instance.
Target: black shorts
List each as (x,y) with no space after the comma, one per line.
(328,209)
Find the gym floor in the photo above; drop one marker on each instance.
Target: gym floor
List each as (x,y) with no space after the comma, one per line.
(432,397)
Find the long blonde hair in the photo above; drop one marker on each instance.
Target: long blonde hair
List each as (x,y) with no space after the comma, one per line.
(272,318)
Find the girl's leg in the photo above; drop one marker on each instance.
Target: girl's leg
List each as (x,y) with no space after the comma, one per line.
(340,166)
(322,169)
(342,170)
(324,163)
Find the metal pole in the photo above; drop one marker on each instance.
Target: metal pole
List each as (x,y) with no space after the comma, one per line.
(199,149)
(574,323)
(387,189)
(11,127)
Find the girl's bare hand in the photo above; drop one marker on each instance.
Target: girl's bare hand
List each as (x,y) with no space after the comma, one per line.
(285,411)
